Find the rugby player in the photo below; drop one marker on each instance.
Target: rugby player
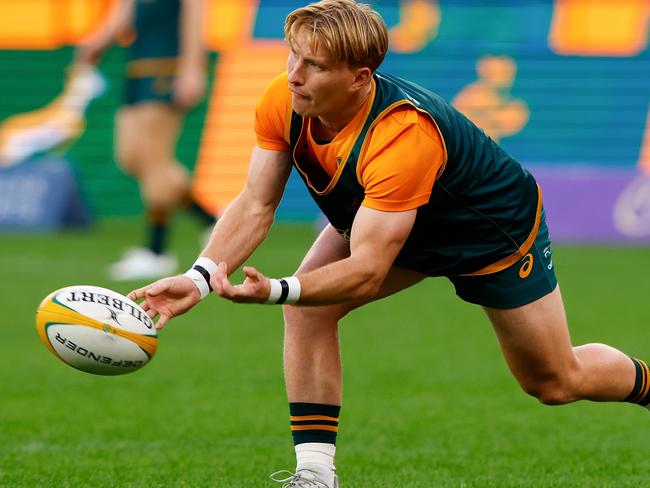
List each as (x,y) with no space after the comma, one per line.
(412,189)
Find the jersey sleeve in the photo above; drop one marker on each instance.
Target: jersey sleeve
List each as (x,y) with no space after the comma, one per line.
(273,115)
(402,161)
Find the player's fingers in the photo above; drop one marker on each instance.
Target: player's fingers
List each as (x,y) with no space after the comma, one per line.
(147,308)
(251,273)
(137,294)
(158,288)
(224,287)
(162,321)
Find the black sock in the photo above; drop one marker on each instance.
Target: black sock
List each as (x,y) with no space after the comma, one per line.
(158,229)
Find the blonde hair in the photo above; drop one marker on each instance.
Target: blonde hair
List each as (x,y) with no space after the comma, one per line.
(351,32)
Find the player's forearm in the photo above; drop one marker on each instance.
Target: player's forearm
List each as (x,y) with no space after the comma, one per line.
(120,19)
(240,230)
(192,49)
(360,276)
(351,279)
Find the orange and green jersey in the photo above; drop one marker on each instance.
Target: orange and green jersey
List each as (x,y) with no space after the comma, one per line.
(478,210)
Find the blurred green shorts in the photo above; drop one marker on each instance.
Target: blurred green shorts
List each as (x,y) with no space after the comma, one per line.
(150,79)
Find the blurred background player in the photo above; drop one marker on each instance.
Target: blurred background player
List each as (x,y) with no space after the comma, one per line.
(165,78)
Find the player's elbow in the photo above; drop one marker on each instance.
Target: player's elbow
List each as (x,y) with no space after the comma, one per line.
(253,212)
(367,284)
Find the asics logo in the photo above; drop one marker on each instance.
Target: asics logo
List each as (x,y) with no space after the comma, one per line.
(526,267)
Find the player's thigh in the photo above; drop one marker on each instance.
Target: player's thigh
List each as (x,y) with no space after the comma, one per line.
(146,136)
(328,247)
(525,306)
(535,340)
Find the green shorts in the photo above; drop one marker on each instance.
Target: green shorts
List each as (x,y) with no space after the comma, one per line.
(150,79)
(524,282)
(149,89)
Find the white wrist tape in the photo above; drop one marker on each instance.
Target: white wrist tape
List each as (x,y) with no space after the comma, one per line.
(200,274)
(284,290)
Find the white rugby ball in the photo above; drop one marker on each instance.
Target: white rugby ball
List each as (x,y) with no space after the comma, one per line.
(96,330)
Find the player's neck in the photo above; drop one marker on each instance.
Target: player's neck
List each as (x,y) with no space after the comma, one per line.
(326,126)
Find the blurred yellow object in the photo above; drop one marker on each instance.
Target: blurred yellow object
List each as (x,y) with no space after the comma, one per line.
(229,23)
(49,24)
(600,27)
(419,21)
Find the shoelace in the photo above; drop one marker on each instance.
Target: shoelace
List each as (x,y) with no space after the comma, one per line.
(296,480)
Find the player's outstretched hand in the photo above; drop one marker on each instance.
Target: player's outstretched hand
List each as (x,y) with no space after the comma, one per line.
(167,298)
(189,88)
(254,289)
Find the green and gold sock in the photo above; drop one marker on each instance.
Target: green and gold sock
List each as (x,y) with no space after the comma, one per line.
(314,422)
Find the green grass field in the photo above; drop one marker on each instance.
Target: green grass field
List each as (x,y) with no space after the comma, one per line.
(428,399)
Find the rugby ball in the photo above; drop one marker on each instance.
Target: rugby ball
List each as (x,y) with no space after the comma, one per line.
(96,330)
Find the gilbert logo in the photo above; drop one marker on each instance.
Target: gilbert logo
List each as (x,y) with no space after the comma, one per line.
(110,303)
(527,266)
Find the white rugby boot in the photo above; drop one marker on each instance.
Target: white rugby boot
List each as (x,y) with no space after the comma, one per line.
(142,264)
(307,478)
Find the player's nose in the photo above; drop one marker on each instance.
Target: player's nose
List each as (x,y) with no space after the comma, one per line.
(295,77)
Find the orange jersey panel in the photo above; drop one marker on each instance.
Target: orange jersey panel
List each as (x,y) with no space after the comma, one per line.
(273,115)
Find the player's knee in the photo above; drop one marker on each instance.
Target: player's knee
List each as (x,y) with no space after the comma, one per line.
(298,316)
(555,390)
(177,180)
(165,186)
(126,157)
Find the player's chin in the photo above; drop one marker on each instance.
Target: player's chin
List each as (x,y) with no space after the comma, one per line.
(302,109)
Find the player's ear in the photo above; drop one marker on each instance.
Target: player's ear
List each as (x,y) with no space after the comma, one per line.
(362,76)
